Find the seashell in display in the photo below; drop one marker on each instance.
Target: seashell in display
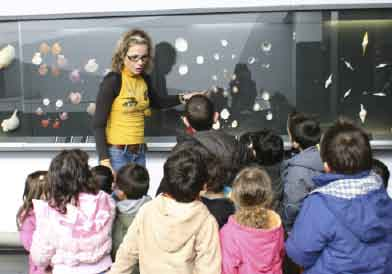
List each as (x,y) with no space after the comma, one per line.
(37,59)
(256,107)
(266,96)
(45,123)
(46,102)
(251,60)
(74,76)
(224,43)
(183,69)
(59,103)
(91,109)
(7,55)
(328,82)
(266,46)
(234,124)
(362,114)
(56,48)
(39,111)
(11,123)
(235,89)
(181,44)
(55,71)
(43,69)
(225,114)
(91,66)
(216,56)
(75,97)
(199,60)
(61,60)
(269,116)
(63,116)
(44,48)
(216,125)
(56,123)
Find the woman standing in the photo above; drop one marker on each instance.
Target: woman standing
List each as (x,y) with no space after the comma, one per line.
(123,101)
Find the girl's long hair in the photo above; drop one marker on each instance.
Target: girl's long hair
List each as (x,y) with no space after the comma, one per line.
(128,39)
(36,187)
(69,175)
(252,193)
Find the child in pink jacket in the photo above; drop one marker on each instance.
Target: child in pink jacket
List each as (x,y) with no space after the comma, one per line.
(73,232)
(253,239)
(36,187)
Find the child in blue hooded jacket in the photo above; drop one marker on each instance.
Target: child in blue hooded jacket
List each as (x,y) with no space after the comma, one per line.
(345,224)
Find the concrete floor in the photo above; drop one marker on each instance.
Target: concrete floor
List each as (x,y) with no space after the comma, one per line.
(13,263)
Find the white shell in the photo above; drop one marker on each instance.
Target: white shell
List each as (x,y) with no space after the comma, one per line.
(251,60)
(39,111)
(234,124)
(199,60)
(63,116)
(265,95)
(383,65)
(269,116)
(233,56)
(7,54)
(46,101)
(74,76)
(235,89)
(91,109)
(216,125)
(216,56)
(11,123)
(266,46)
(265,66)
(181,44)
(37,59)
(348,65)
(256,107)
(215,89)
(183,69)
(347,93)
(225,93)
(233,77)
(224,43)
(214,77)
(328,82)
(362,114)
(225,114)
(381,94)
(91,66)
(59,103)
(75,97)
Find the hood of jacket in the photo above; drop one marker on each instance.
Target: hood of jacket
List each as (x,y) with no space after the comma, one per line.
(131,207)
(176,223)
(308,158)
(359,202)
(92,214)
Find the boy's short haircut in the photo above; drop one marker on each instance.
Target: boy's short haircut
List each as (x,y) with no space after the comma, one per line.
(268,146)
(304,129)
(104,177)
(185,174)
(216,175)
(346,148)
(199,110)
(133,180)
(381,169)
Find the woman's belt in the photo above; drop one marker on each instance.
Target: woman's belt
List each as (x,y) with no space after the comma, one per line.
(134,148)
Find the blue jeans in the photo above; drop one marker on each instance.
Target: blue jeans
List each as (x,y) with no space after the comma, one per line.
(121,157)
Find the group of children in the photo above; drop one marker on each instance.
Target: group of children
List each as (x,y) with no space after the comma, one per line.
(223,206)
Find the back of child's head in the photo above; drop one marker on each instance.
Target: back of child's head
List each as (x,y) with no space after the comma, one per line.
(104,177)
(185,174)
(69,175)
(252,193)
(133,180)
(382,170)
(346,149)
(199,110)
(217,175)
(267,146)
(36,187)
(303,129)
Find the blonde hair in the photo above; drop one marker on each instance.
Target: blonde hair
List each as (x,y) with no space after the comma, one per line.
(36,187)
(127,40)
(252,193)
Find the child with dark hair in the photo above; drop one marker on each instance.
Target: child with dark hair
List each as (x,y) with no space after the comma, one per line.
(174,233)
(104,177)
(252,240)
(74,228)
(213,196)
(381,169)
(297,172)
(130,189)
(345,223)
(268,151)
(36,187)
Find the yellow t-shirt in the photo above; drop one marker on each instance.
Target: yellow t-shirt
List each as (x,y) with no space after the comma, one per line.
(126,120)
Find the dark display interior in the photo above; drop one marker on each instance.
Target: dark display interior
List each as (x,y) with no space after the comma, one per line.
(257,66)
